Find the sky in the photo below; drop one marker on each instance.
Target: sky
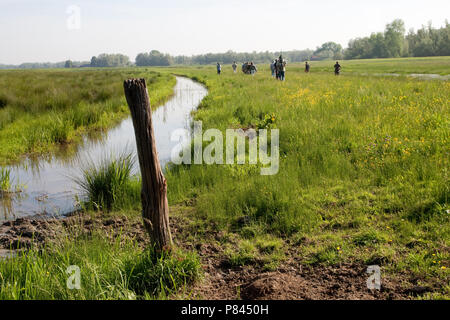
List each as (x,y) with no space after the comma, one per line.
(53,31)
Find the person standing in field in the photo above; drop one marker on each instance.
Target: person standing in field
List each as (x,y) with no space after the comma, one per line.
(246,68)
(281,68)
(275,65)
(272,68)
(337,68)
(283,71)
(219,68)
(253,69)
(307,66)
(234,65)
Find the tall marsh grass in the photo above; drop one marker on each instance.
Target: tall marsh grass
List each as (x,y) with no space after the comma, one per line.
(120,270)
(342,139)
(5,180)
(40,109)
(109,184)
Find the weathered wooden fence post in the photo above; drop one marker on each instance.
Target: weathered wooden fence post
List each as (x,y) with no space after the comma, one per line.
(155,208)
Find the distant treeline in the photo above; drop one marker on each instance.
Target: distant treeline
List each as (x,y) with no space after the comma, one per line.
(156,58)
(392,43)
(44,65)
(110,60)
(101,61)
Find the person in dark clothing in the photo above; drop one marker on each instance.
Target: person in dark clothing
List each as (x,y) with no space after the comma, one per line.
(281,68)
(277,74)
(337,68)
(307,66)
(253,68)
(219,68)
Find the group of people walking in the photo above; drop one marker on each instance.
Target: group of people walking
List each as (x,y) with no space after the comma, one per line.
(249,68)
(277,67)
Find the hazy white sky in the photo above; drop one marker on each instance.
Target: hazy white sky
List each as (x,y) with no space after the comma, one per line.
(45,30)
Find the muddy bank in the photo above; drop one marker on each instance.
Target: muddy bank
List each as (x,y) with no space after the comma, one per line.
(296,281)
(291,281)
(25,233)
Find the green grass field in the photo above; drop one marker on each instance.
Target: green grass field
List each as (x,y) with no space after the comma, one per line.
(403,66)
(363,175)
(363,179)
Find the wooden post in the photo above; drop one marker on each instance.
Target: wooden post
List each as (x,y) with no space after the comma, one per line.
(155,208)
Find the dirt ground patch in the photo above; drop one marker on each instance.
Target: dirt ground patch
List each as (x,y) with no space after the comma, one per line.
(24,233)
(342,283)
(291,281)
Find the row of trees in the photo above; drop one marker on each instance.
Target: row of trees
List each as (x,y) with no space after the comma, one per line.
(156,58)
(393,43)
(153,58)
(231,56)
(328,51)
(45,65)
(110,60)
(429,41)
(101,61)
